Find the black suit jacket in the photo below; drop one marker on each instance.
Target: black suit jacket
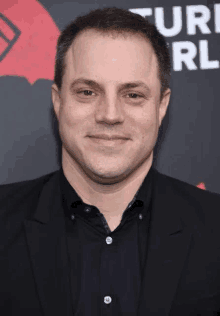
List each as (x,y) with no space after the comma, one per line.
(182,273)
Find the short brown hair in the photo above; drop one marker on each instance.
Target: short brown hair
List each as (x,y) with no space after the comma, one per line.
(114,21)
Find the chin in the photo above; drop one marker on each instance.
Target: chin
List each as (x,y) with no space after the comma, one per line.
(107,180)
(106,176)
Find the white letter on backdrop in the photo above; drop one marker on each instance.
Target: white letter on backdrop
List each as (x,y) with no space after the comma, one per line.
(201,21)
(205,63)
(179,57)
(142,11)
(177,21)
(217,17)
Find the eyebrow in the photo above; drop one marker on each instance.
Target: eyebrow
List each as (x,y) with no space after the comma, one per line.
(122,86)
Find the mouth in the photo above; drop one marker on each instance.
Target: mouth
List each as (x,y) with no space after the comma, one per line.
(107,137)
(111,141)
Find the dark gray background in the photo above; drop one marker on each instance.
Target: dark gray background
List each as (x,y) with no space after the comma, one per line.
(188,146)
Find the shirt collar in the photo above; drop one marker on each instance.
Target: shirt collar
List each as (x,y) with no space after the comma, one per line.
(72,201)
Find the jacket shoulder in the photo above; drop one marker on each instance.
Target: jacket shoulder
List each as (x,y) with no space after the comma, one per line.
(14,193)
(205,204)
(185,188)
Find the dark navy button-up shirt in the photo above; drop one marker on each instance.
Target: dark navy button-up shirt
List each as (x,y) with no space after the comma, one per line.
(106,267)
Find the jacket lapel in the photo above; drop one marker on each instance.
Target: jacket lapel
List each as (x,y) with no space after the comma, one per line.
(169,242)
(48,251)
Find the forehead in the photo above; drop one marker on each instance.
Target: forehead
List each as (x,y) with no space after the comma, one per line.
(113,55)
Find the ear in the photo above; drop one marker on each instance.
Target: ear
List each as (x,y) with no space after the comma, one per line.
(164,105)
(55,94)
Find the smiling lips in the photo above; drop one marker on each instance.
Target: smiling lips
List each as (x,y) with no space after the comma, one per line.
(105,140)
(106,137)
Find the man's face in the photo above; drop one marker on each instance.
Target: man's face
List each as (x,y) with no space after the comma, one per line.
(106,106)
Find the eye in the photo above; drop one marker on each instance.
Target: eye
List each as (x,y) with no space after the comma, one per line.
(85,92)
(135,95)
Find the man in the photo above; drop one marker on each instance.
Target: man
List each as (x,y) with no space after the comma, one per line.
(107,234)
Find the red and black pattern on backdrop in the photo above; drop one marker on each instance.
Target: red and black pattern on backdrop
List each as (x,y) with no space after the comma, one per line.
(28,37)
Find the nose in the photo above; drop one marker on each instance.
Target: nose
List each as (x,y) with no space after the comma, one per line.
(109,111)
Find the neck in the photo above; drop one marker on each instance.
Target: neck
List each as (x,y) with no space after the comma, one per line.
(109,199)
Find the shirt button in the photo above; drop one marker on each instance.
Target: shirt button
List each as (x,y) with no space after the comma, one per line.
(72,216)
(87,210)
(107,299)
(139,203)
(108,241)
(140,216)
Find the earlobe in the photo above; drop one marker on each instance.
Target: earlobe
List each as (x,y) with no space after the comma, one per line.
(55,95)
(164,105)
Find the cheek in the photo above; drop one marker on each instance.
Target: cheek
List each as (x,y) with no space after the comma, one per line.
(74,122)
(72,113)
(148,129)
(67,121)
(146,121)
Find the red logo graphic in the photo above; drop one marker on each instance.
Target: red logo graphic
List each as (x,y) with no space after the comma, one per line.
(9,34)
(28,37)
(201,185)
